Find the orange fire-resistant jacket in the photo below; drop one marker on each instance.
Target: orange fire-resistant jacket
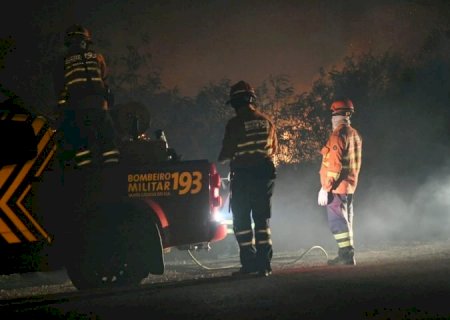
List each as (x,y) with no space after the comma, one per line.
(341,160)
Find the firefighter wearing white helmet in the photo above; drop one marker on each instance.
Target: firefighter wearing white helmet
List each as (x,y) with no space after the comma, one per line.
(250,144)
(341,164)
(83,105)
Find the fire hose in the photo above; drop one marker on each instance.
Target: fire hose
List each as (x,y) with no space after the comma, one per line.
(302,255)
(225,182)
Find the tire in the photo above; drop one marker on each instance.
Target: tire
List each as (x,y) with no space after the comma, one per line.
(120,245)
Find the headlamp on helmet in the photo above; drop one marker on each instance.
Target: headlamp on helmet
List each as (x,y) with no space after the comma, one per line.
(342,107)
(77,33)
(241,93)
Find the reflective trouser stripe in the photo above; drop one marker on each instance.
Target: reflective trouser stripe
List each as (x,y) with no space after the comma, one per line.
(344,244)
(267,231)
(344,239)
(111,160)
(244,237)
(83,158)
(239,233)
(111,156)
(82,153)
(244,244)
(263,236)
(109,153)
(83,163)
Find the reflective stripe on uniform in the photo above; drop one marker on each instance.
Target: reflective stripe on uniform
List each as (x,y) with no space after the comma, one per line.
(344,239)
(111,156)
(239,233)
(111,160)
(263,236)
(245,244)
(83,158)
(82,153)
(344,244)
(250,134)
(333,175)
(264,231)
(109,153)
(82,80)
(249,143)
(245,237)
(343,235)
(257,139)
(264,151)
(83,163)
(80,69)
(264,242)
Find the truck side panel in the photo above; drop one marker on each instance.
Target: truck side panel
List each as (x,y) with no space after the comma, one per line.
(179,194)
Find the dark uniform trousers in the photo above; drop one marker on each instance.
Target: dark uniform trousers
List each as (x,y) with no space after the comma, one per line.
(251,192)
(85,128)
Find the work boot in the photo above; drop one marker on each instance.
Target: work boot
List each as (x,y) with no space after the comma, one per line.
(264,269)
(264,273)
(346,256)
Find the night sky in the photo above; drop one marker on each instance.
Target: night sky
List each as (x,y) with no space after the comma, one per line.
(195,42)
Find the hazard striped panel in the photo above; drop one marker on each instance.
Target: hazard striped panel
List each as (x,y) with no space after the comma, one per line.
(17,222)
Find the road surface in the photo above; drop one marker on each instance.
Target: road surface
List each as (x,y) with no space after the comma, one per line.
(401,282)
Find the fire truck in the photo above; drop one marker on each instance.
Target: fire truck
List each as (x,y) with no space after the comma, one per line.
(107,226)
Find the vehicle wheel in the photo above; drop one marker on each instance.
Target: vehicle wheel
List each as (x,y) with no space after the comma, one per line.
(118,248)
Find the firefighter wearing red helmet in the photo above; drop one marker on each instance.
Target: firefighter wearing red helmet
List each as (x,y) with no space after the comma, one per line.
(250,144)
(341,164)
(83,104)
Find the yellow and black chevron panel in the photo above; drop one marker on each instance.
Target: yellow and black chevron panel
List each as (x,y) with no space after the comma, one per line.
(18,224)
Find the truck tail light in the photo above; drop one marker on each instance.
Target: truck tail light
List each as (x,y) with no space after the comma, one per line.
(215,183)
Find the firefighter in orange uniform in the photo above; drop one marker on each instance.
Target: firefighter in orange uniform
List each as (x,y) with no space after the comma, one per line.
(250,143)
(341,164)
(83,105)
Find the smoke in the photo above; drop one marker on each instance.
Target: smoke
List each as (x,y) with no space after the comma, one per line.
(432,204)
(297,221)
(392,212)
(387,210)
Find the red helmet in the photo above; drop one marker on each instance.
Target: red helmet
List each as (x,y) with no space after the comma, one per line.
(342,107)
(243,92)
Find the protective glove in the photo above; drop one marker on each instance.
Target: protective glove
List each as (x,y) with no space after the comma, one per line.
(322,199)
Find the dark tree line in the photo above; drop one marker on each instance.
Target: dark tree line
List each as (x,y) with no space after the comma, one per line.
(401,100)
